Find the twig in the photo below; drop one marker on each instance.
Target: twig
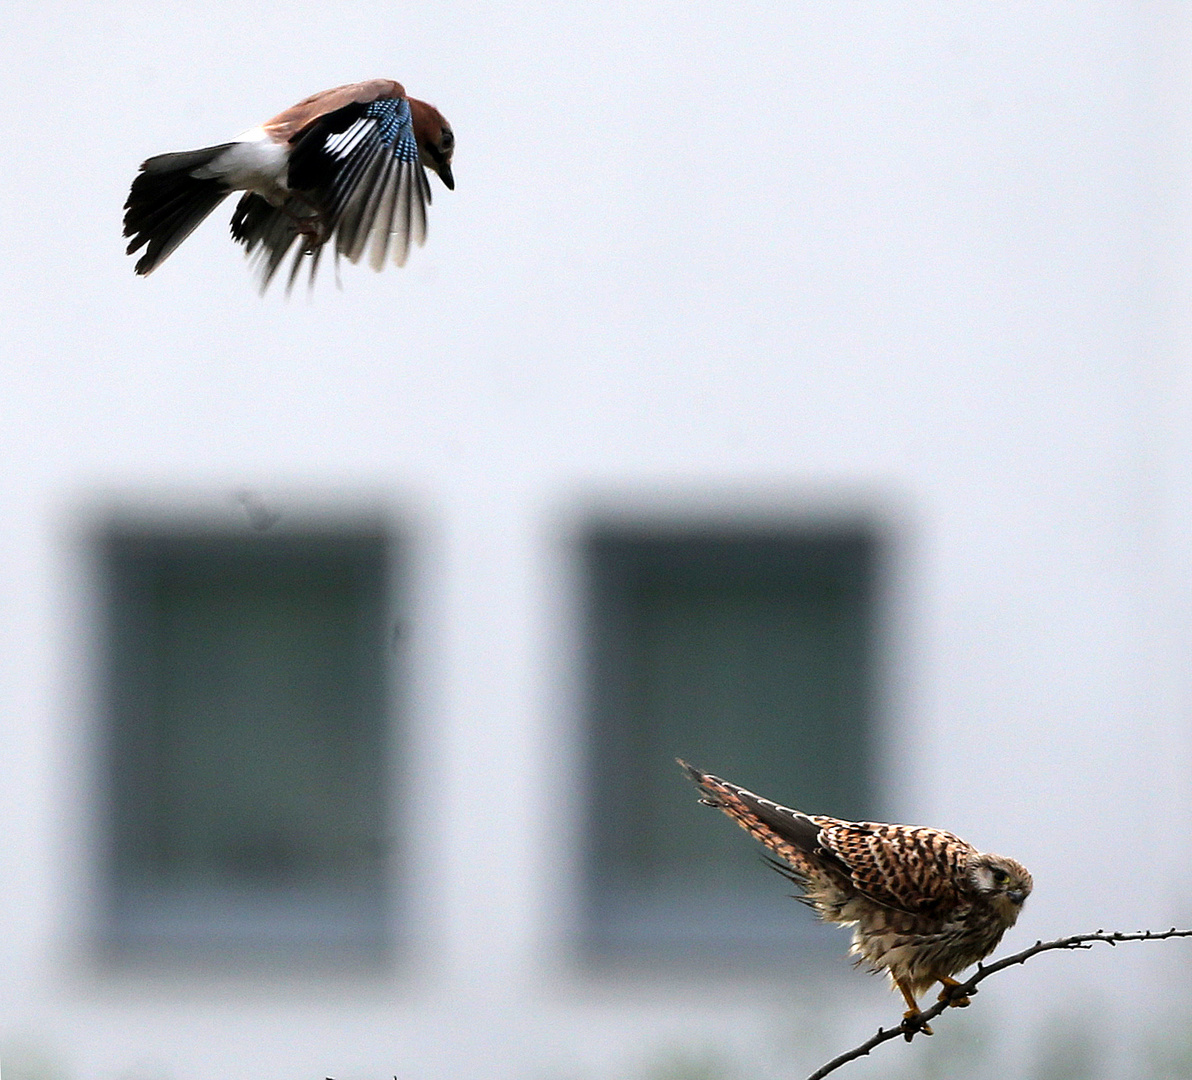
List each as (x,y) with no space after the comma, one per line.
(910,1027)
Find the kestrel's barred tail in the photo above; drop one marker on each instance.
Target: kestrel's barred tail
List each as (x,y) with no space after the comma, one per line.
(791,835)
(924,903)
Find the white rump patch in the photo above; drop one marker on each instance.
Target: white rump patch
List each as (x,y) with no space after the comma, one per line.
(254,162)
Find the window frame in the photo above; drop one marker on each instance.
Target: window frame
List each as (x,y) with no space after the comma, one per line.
(767,927)
(304,922)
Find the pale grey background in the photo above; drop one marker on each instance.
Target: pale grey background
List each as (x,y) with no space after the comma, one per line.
(927,260)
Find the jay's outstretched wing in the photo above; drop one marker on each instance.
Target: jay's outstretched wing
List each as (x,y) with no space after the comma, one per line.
(344,166)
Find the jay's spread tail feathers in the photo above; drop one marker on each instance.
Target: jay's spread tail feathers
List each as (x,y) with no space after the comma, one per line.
(168,201)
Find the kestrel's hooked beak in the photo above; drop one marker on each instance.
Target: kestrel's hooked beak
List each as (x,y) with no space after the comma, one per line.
(1016,896)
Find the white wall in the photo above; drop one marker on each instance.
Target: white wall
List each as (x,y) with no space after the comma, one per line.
(929,258)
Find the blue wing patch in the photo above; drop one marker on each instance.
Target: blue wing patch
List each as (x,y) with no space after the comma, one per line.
(394,126)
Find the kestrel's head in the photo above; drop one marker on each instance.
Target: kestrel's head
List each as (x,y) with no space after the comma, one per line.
(1003,883)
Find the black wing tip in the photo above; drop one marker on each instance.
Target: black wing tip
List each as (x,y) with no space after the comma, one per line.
(789,872)
(702,779)
(705,782)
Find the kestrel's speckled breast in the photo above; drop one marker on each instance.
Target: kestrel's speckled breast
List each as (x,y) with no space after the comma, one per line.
(922,951)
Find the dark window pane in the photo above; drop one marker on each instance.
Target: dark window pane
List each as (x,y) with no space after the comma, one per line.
(751,655)
(247,699)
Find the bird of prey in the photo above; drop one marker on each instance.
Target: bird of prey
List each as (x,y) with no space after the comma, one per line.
(924,904)
(343,167)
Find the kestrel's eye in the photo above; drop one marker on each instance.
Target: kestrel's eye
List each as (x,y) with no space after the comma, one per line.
(1000,875)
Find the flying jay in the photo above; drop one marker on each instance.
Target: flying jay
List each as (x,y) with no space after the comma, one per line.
(344,166)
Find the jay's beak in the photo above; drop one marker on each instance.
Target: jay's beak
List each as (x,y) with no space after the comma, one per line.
(445,175)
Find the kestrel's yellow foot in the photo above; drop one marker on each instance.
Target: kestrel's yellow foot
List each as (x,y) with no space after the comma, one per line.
(910,1019)
(912,1024)
(948,992)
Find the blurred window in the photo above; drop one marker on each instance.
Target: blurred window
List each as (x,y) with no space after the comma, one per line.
(247,682)
(751,655)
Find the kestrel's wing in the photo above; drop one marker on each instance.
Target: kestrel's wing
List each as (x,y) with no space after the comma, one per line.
(912,868)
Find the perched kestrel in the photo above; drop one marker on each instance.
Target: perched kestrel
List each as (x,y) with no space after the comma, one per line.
(924,904)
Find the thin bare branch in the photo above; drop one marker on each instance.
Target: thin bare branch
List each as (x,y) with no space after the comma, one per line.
(909,1028)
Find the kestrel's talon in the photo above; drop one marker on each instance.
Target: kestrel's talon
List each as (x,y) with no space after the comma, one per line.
(946,994)
(912,1024)
(924,903)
